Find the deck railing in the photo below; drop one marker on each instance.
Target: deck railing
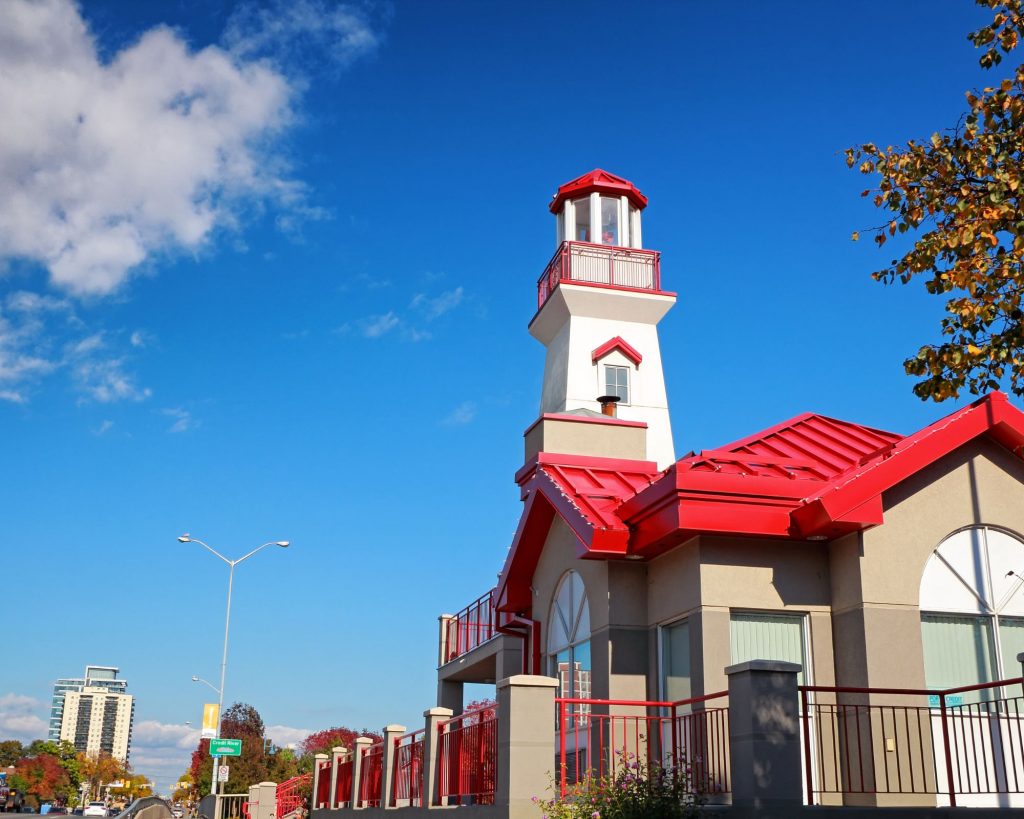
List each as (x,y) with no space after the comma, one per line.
(957,743)
(408,782)
(291,794)
(471,627)
(467,757)
(582,262)
(371,772)
(596,738)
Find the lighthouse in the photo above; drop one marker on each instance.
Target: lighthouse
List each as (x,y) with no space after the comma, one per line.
(599,302)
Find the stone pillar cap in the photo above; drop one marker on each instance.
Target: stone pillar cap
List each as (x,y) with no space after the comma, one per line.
(321,756)
(394,729)
(438,711)
(765,665)
(337,749)
(528,680)
(364,740)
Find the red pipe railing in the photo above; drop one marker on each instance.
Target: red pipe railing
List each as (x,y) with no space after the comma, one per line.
(471,627)
(597,743)
(407,785)
(940,746)
(343,783)
(371,775)
(602,265)
(290,796)
(467,757)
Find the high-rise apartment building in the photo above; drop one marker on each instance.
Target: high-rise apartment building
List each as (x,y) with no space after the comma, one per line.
(94,712)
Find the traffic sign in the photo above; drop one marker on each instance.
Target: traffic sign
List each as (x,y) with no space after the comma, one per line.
(223,773)
(225,747)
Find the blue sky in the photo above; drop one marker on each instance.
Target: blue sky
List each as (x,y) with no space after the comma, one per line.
(267,270)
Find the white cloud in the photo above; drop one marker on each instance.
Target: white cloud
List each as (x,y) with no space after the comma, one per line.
(13,396)
(81,196)
(162,750)
(183,420)
(377,326)
(463,414)
(433,307)
(99,375)
(286,737)
(105,426)
(153,734)
(19,718)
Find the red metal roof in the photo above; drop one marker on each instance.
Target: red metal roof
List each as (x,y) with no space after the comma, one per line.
(601,182)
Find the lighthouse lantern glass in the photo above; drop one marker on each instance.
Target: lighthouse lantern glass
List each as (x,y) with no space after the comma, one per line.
(609,221)
(581,209)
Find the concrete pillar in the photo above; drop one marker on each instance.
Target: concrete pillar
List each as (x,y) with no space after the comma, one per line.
(318,760)
(338,755)
(361,744)
(442,638)
(432,717)
(764,738)
(449,695)
(391,734)
(266,801)
(526,741)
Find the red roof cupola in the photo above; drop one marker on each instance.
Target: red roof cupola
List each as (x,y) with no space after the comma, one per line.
(598,181)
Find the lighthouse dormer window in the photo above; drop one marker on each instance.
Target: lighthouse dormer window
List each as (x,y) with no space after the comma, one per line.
(616,382)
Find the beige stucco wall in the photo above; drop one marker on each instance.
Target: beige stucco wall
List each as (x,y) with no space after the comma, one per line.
(876,575)
(585,437)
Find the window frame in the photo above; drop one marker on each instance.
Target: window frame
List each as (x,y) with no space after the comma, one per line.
(805,636)
(629,385)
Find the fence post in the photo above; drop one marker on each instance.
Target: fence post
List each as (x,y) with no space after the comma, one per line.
(361,744)
(387,776)
(526,741)
(337,757)
(764,737)
(266,801)
(317,760)
(432,717)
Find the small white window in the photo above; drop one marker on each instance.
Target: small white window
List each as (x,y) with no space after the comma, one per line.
(616,382)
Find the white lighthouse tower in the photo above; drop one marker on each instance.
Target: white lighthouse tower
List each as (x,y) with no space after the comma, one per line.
(599,302)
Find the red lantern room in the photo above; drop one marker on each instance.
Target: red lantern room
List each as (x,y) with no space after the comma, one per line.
(599,208)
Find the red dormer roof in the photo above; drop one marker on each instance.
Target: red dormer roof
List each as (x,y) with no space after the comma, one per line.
(601,182)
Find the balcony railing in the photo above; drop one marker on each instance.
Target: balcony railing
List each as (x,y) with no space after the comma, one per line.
(471,627)
(584,263)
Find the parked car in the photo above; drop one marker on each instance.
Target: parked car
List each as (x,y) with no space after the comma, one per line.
(95,809)
(178,813)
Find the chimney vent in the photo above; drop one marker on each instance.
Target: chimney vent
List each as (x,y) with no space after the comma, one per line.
(609,404)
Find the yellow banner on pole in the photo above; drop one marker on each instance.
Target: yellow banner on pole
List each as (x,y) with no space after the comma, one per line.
(210,714)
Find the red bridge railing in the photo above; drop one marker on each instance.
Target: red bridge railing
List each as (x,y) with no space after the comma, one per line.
(602,265)
(471,627)
(291,794)
(371,773)
(407,787)
(323,784)
(467,757)
(966,741)
(343,784)
(597,737)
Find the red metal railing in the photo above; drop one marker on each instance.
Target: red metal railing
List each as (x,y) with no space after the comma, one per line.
(597,737)
(371,773)
(467,757)
(323,784)
(407,786)
(471,627)
(608,265)
(290,794)
(343,783)
(913,741)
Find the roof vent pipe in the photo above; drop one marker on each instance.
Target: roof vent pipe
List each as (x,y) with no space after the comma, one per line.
(609,404)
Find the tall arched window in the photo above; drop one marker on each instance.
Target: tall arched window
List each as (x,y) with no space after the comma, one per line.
(569,638)
(972,608)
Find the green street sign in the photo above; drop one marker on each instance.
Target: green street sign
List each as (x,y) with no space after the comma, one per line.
(225,747)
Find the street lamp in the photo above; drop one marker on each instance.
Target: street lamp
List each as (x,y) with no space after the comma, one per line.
(187,538)
(200,679)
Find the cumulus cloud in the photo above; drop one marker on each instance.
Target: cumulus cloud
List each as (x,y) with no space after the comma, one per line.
(287,737)
(182,420)
(162,750)
(19,718)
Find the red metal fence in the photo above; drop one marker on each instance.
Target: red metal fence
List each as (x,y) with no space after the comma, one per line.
(371,773)
(471,627)
(407,787)
(966,741)
(607,265)
(323,784)
(596,738)
(467,757)
(343,783)
(291,794)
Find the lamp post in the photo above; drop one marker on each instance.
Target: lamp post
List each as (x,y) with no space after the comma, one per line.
(187,538)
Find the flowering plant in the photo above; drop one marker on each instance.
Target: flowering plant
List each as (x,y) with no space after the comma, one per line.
(636,790)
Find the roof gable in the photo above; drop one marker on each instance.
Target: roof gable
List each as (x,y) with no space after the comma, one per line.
(598,181)
(620,344)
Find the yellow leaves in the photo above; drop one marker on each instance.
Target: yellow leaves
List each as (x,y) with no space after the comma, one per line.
(973,350)
(855,236)
(867,166)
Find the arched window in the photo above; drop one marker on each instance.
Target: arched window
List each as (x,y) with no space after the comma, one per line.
(972,608)
(569,638)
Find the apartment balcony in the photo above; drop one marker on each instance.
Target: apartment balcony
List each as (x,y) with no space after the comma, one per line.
(624,268)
